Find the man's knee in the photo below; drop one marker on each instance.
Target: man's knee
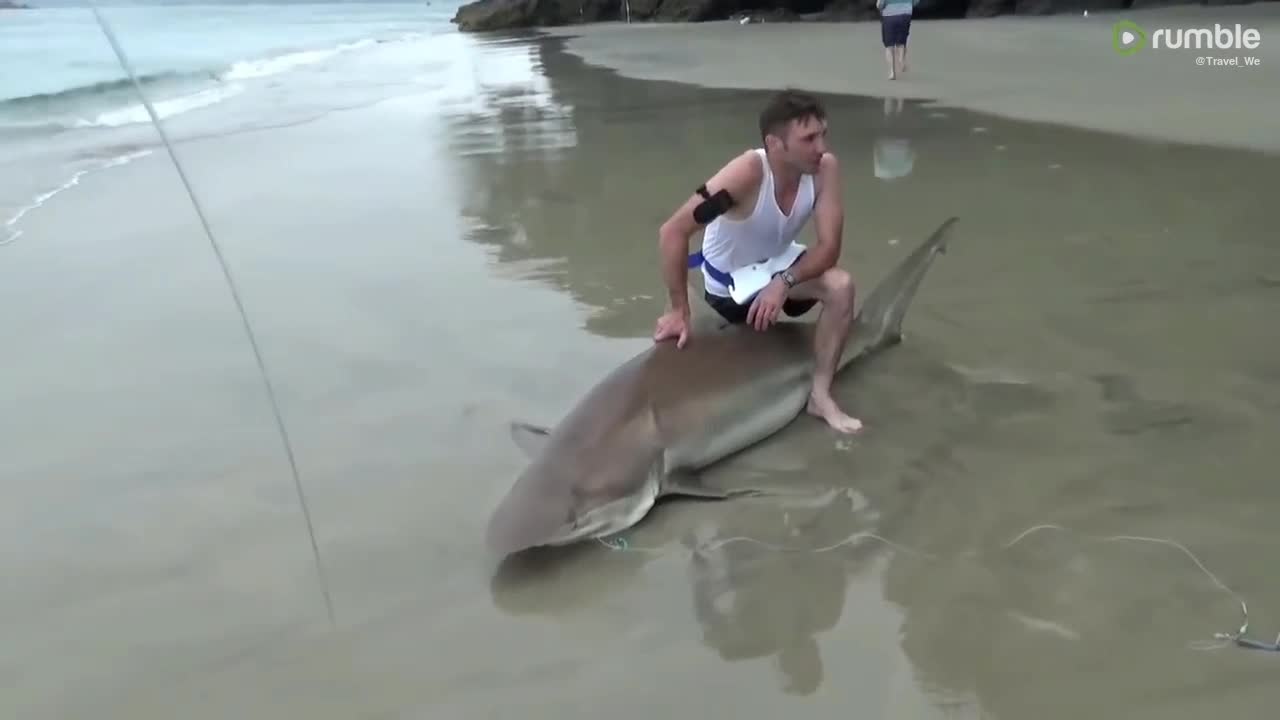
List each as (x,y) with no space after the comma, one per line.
(837,287)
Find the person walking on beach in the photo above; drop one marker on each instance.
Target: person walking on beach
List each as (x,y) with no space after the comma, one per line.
(895,26)
(753,209)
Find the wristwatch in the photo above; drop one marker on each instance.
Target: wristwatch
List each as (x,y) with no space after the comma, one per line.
(787,278)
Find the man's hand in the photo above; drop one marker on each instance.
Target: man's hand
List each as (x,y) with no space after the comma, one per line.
(673,324)
(767,304)
(828,219)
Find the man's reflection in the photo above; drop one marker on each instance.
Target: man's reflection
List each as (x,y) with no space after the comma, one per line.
(766,597)
(891,153)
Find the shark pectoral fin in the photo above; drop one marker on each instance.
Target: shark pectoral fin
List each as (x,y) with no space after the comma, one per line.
(529,438)
(689,484)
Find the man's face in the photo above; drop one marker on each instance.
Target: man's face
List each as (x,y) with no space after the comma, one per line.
(804,144)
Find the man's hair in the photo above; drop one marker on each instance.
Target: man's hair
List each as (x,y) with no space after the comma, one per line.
(786,106)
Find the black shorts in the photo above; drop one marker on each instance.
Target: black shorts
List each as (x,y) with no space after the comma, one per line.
(737,314)
(894,29)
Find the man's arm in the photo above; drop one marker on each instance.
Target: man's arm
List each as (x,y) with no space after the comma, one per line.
(739,177)
(828,221)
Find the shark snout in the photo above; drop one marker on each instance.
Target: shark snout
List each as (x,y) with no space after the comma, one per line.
(531,514)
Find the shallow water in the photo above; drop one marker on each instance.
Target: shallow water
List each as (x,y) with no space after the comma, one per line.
(68,109)
(1094,351)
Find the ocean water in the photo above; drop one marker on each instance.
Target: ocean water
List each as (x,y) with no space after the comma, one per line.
(67,107)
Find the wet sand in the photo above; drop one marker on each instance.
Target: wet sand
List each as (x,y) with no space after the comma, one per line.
(1096,351)
(1058,69)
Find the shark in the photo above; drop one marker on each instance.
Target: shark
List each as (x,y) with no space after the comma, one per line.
(646,430)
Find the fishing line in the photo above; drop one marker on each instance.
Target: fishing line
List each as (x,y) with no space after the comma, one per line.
(235,295)
(1224,638)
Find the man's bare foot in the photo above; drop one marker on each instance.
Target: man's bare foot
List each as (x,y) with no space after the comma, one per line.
(827,409)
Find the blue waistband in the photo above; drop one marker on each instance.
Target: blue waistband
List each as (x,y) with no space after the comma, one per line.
(696,259)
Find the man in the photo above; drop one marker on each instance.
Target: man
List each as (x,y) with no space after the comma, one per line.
(895,27)
(754,208)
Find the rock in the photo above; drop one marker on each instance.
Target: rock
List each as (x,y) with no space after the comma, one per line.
(694,10)
(1069,7)
(484,15)
(481,15)
(747,17)
(642,8)
(495,15)
(990,8)
(1141,4)
(848,11)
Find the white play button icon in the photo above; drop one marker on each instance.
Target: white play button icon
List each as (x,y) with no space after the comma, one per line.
(1127,37)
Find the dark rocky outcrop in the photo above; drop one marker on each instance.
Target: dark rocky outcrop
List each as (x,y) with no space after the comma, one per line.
(482,15)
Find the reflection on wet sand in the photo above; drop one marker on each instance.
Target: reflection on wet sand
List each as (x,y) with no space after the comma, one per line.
(755,601)
(1094,352)
(1047,377)
(769,577)
(741,559)
(894,157)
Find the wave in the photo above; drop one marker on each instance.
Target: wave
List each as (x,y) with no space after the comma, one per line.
(74,95)
(265,67)
(114,102)
(164,108)
(11,230)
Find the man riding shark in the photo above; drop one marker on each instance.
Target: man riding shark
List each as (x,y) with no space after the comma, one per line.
(647,429)
(753,209)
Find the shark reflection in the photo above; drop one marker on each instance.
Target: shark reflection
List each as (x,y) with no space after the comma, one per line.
(761,588)
(754,601)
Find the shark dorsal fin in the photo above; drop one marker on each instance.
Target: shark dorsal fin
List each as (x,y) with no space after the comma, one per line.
(882,313)
(878,323)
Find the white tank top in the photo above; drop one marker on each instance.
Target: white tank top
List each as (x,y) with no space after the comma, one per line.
(728,244)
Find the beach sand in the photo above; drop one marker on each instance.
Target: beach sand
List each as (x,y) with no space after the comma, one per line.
(1096,350)
(1058,69)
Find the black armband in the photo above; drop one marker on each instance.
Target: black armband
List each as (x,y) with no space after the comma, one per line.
(713,206)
